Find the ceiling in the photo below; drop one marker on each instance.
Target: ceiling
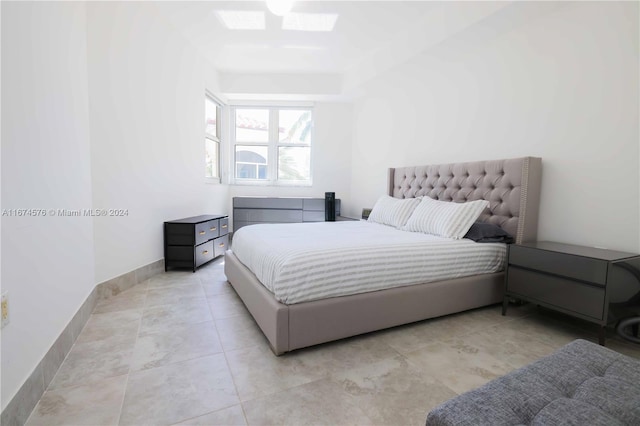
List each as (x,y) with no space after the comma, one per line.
(369,38)
(362,26)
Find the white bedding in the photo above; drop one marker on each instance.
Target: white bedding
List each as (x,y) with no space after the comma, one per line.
(301,262)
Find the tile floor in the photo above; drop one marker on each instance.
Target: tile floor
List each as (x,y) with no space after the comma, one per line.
(181,349)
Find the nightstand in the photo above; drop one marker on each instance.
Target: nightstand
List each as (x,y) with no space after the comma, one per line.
(596,285)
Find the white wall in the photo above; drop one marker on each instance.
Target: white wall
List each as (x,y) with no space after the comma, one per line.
(279,84)
(107,109)
(563,87)
(147,89)
(47,263)
(331,158)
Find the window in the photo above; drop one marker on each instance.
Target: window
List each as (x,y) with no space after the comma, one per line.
(272,145)
(212,137)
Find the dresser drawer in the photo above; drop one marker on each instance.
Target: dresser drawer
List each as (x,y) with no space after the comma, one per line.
(267,203)
(311,216)
(202,232)
(213,229)
(224,226)
(574,296)
(317,205)
(568,265)
(220,245)
(206,231)
(204,253)
(313,204)
(268,216)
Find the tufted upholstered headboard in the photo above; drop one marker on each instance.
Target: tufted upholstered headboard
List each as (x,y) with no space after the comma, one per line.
(511,186)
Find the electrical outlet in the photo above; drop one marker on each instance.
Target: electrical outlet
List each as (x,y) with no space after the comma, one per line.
(5,309)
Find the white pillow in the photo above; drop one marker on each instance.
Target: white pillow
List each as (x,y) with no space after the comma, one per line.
(393,211)
(445,219)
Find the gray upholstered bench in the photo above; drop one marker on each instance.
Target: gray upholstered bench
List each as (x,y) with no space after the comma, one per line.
(580,384)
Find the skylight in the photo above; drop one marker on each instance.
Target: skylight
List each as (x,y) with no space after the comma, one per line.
(309,21)
(242,19)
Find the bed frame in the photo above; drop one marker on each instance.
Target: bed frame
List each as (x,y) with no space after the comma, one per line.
(511,186)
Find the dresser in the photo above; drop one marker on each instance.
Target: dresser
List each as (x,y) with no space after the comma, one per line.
(194,241)
(253,210)
(596,285)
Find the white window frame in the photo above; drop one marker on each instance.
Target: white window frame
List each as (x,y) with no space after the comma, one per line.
(217,139)
(272,145)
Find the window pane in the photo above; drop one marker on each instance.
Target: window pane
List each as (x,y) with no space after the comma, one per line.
(294,163)
(252,125)
(251,162)
(262,171)
(211,155)
(210,116)
(294,126)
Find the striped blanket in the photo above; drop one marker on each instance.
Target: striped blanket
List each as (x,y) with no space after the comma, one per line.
(301,262)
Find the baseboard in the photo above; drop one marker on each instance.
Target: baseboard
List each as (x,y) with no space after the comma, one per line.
(124,282)
(22,404)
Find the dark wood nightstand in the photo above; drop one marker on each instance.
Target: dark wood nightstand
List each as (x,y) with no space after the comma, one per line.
(596,285)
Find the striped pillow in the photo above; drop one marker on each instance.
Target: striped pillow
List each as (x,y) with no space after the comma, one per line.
(393,211)
(445,219)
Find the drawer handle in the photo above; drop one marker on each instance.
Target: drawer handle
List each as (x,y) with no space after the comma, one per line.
(213,229)
(221,244)
(202,232)
(205,252)
(224,226)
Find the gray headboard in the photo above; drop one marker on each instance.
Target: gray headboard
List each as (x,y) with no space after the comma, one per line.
(511,186)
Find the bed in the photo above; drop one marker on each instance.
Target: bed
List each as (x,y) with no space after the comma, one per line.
(512,188)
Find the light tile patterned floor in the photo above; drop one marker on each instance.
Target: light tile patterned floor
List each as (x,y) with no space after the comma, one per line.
(182,349)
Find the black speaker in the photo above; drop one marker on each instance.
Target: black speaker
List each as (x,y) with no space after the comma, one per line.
(330,206)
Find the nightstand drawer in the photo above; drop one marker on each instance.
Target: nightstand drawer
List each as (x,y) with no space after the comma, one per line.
(577,267)
(204,253)
(574,296)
